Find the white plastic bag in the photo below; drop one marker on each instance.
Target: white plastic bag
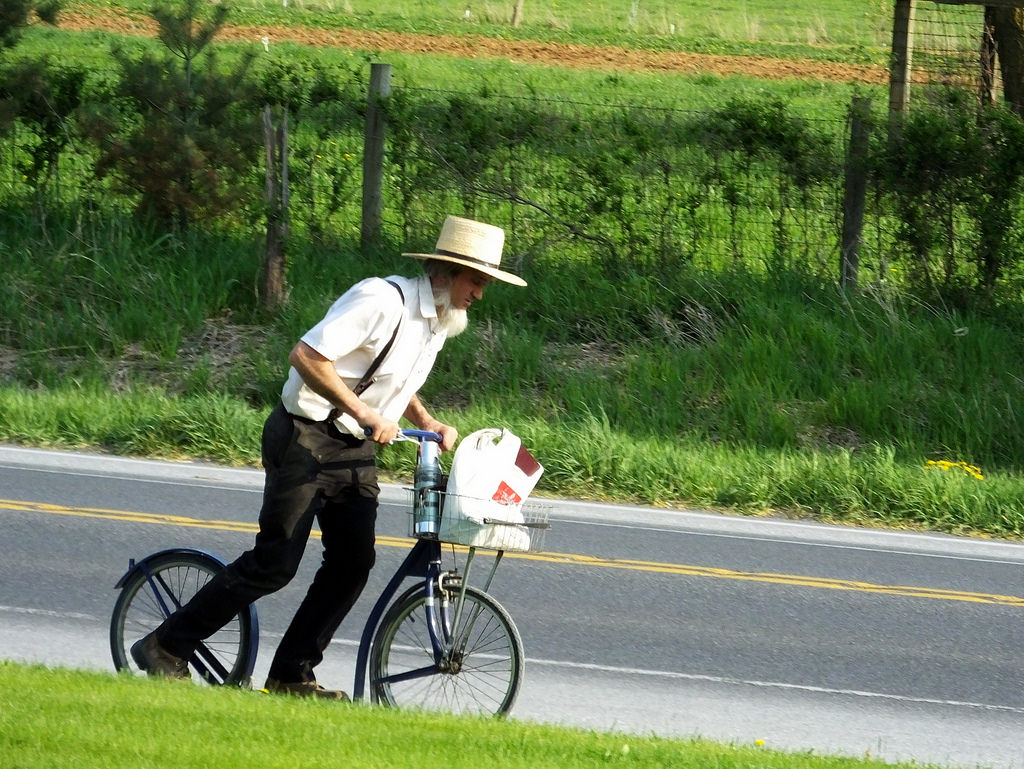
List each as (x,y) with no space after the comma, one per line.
(491,476)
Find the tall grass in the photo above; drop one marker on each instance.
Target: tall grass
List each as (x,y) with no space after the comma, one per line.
(585,457)
(727,390)
(740,360)
(74,288)
(141,421)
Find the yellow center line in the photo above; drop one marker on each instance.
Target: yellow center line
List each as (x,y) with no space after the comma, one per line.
(795,580)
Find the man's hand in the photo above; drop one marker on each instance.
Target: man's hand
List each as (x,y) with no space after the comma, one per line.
(416,413)
(382,430)
(449,436)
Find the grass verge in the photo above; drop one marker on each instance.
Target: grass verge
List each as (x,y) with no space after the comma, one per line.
(97,721)
(730,391)
(587,459)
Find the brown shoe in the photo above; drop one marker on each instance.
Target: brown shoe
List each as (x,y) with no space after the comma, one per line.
(150,656)
(303,689)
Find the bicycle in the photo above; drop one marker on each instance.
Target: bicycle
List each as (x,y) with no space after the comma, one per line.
(442,644)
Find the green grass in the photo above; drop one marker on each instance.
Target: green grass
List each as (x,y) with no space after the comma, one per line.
(822,100)
(87,720)
(584,458)
(728,391)
(825,30)
(663,384)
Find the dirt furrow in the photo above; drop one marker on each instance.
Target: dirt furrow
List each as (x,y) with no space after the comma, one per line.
(610,58)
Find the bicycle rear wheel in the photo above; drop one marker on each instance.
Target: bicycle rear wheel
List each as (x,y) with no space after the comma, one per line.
(486,666)
(157,586)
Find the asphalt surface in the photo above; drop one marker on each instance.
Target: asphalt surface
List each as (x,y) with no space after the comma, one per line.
(800,636)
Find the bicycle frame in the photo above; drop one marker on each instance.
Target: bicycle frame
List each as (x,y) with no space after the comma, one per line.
(422,562)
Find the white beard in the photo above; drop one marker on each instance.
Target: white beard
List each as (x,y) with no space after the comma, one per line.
(449,319)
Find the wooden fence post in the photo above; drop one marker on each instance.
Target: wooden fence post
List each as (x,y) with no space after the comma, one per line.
(902,52)
(855,192)
(517,13)
(373,155)
(987,86)
(273,287)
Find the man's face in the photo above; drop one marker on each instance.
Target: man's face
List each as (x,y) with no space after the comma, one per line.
(467,287)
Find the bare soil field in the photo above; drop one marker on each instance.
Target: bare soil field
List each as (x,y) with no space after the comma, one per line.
(532,52)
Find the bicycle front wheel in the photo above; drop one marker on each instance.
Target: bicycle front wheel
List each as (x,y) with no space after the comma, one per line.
(162,583)
(483,665)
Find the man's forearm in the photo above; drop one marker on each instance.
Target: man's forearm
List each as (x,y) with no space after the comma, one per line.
(321,377)
(417,413)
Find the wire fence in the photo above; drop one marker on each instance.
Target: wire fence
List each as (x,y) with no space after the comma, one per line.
(627,186)
(947,45)
(621,184)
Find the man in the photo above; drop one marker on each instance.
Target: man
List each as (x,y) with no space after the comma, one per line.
(354,374)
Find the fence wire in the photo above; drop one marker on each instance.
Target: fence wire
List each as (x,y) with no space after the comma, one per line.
(627,186)
(947,42)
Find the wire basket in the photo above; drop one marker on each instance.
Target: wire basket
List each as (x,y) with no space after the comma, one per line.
(513,528)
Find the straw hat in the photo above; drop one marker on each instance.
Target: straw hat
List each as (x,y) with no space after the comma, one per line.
(473,244)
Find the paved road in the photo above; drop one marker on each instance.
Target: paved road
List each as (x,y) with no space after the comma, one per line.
(806,637)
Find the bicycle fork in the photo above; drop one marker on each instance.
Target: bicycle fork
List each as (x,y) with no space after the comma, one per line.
(448,632)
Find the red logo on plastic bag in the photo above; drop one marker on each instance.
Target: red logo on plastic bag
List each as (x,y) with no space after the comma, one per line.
(506,495)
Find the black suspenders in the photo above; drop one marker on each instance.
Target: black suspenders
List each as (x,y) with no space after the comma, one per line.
(367,379)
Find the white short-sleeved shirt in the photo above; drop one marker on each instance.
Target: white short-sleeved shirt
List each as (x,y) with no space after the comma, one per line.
(352,334)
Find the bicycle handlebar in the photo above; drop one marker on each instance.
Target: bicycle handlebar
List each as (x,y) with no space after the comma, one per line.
(423,435)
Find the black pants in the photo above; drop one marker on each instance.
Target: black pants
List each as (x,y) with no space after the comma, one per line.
(312,471)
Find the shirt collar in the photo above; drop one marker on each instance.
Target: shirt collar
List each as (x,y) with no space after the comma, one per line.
(427,307)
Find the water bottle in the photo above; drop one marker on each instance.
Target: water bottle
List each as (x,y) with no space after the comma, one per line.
(426,504)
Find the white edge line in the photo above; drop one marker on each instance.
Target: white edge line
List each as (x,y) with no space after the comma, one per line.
(771,685)
(663,674)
